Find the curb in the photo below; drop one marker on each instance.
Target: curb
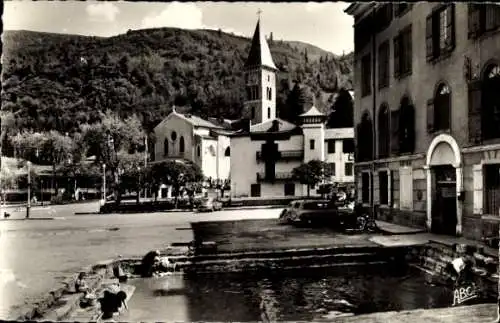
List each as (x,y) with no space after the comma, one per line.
(34,219)
(232,208)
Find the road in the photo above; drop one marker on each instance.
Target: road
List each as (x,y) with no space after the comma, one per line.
(36,254)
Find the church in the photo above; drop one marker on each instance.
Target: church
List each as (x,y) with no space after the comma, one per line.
(258,157)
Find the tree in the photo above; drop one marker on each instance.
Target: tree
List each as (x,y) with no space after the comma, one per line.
(59,149)
(298,100)
(109,137)
(342,111)
(312,173)
(177,174)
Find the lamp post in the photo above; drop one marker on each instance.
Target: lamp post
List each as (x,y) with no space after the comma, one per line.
(104,183)
(28,206)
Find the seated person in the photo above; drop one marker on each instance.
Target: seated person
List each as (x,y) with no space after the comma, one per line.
(119,273)
(80,284)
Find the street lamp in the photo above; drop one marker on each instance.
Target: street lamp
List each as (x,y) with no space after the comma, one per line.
(28,206)
(104,183)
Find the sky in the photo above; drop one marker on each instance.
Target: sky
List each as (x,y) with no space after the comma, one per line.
(322,24)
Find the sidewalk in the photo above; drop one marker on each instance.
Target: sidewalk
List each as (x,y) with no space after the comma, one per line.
(482,313)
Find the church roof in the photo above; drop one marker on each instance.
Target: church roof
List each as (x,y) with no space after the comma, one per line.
(259,55)
(195,120)
(275,125)
(313,112)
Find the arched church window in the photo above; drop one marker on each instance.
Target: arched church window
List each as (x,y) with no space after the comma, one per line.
(406,126)
(181,145)
(165,147)
(269,113)
(442,107)
(198,150)
(173,136)
(227,152)
(491,103)
(383,131)
(253,112)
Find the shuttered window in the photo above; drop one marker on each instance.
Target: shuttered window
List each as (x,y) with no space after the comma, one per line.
(482,18)
(394,132)
(383,182)
(365,187)
(403,53)
(397,42)
(366,73)
(442,108)
(383,131)
(440,32)
(477,173)
(383,65)
(492,188)
(474,120)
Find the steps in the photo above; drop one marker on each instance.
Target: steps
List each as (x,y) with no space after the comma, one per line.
(287,259)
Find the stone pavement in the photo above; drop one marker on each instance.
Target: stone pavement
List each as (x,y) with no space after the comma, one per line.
(396,228)
(483,313)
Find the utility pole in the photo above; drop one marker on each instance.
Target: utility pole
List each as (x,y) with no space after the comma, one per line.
(28,206)
(145,159)
(104,183)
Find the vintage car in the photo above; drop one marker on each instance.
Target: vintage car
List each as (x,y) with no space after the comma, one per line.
(209,205)
(309,211)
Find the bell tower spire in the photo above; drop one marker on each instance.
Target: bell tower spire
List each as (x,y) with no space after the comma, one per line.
(260,79)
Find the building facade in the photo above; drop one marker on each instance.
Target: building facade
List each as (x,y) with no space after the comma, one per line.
(188,137)
(265,152)
(425,78)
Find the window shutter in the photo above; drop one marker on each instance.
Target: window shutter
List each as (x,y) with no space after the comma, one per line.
(396,56)
(394,132)
(408,50)
(430,115)
(410,126)
(450,13)
(428,38)
(473,20)
(475,134)
(477,175)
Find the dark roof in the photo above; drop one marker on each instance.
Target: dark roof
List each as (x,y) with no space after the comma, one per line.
(275,125)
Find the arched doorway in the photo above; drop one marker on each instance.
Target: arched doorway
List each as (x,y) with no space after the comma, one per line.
(444,184)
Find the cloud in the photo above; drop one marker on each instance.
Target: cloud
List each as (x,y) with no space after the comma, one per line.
(316,6)
(104,11)
(176,14)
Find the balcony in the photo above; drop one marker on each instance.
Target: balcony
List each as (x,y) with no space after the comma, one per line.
(278,176)
(285,155)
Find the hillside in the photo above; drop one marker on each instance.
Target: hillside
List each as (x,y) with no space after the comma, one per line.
(57,81)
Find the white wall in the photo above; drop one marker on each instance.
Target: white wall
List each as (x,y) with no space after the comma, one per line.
(314,132)
(165,129)
(209,157)
(340,159)
(244,165)
(224,163)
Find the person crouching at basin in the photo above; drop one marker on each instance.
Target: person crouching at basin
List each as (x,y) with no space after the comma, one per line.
(150,263)
(111,303)
(467,287)
(80,284)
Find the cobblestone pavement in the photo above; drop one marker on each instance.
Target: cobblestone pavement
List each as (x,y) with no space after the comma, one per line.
(36,255)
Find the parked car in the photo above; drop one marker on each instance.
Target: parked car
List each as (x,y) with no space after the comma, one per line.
(210,205)
(309,211)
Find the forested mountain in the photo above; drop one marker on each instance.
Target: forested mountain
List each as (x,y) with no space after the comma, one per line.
(59,82)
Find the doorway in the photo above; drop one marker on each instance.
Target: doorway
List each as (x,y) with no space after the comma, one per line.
(444,204)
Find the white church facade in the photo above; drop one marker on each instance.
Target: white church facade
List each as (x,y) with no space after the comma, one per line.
(265,152)
(257,159)
(188,137)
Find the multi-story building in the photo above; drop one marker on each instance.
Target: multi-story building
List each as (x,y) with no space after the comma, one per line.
(426,76)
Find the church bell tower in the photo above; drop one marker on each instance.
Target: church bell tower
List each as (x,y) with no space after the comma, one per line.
(260,81)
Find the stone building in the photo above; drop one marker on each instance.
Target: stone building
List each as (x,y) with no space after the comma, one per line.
(425,78)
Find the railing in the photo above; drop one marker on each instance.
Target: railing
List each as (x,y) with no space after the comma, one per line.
(278,176)
(286,154)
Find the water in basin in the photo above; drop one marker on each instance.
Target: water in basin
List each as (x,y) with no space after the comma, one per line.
(305,294)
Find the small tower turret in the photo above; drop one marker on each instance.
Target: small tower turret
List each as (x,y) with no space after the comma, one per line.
(313,128)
